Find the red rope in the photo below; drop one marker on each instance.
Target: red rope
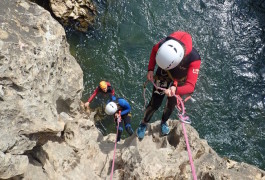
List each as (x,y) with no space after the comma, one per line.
(118,122)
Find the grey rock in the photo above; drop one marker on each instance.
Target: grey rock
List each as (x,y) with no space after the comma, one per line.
(39,78)
(44,135)
(81,13)
(12,165)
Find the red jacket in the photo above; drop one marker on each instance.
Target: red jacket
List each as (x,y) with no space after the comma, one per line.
(98,89)
(189,66)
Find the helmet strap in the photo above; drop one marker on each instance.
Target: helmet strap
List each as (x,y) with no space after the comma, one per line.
(170,76)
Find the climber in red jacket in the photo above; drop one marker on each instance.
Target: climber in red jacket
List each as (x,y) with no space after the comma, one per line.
(104,87)
(178,68)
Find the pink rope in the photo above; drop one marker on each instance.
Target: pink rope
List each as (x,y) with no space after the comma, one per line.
(118,122)
(144,94)
(183,118)
(189,152)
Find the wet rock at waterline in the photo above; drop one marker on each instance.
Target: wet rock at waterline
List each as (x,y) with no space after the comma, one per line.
(81,13)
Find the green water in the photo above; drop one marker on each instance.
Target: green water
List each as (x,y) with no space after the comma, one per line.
(228,110)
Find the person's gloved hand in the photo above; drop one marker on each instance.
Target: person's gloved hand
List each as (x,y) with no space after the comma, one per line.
(116,115)
(87,105)
(150,76)
(170,91)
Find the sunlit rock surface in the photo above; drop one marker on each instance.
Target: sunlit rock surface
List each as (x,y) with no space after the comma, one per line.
(44,134)
(38,80)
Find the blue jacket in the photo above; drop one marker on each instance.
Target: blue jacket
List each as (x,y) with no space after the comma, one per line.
(124,106)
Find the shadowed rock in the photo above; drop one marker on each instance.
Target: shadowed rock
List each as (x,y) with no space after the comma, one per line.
(81,13)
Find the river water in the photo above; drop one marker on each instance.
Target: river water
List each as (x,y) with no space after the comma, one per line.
(229,101)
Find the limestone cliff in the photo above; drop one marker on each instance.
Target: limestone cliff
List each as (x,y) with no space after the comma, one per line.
(44,135)
(38,80)
(81,13)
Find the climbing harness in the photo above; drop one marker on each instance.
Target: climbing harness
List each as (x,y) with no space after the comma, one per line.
(180,103)
(118,122)
(184,120)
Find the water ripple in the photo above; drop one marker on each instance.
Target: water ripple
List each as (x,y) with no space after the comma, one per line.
(228,110)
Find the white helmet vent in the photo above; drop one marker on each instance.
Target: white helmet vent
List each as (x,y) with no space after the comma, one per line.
(170,65)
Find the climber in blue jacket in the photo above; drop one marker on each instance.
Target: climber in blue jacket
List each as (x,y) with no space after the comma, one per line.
(120,107)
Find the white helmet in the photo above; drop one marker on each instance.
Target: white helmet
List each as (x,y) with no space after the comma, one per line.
(111,108)
(170,54)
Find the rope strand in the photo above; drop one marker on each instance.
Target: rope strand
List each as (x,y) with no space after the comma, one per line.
(118,122)
(184,119)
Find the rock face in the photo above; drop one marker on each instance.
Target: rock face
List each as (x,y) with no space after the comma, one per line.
(79,12)
(39,79)
(45,136)
(86,154)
